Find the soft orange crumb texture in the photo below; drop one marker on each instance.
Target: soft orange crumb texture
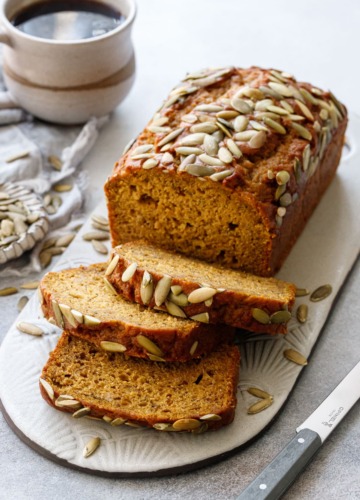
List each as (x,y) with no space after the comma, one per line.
(140,391)
(84,290)
(246,209)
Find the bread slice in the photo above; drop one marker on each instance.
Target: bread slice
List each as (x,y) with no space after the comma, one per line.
(138,269)
(195,396)
(82,301)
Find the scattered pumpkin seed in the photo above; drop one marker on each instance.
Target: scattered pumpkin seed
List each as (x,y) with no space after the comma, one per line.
(302,313)
(29,328)
(321,293)
(30,285)
(55,162)
(96,235)
(258,393)
(22,302)
(99,247)
(62,188)
(10,290)
(295,357)
(260,406)
(91,447)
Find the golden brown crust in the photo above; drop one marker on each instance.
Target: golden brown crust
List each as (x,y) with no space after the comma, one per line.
(141,393)
(237,294)
(108,317)
(270,162)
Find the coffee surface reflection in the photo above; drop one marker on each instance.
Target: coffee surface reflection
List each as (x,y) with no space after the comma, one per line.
(68,19)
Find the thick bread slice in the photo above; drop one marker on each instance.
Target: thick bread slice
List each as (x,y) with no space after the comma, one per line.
(82,301)
(195,396)
(224,296)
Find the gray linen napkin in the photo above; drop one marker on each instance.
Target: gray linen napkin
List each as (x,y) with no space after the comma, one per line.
(26,148)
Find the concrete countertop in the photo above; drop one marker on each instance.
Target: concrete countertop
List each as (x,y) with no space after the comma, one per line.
(317,43)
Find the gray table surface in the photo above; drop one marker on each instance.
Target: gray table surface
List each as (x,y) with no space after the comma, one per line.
(316,43)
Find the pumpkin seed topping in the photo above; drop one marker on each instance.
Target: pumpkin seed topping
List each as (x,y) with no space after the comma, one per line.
(260,406)
(261,316)
(149,345)
(302,313)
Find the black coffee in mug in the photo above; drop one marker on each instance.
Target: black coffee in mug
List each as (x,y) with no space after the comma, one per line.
(67,19)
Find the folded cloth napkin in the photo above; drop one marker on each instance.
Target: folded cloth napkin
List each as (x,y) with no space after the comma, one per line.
(40,155)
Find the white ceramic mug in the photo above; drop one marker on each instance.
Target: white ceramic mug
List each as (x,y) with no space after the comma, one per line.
(68,82)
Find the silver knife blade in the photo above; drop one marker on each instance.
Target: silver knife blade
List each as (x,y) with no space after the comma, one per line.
(334,408)
(276,478)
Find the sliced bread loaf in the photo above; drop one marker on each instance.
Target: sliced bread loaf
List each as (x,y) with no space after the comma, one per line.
(196,396)
(190,288)
(82,301)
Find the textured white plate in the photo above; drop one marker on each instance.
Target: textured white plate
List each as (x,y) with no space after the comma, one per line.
(35,232)
(324,253)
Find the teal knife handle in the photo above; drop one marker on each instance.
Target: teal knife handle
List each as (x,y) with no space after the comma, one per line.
(276,478)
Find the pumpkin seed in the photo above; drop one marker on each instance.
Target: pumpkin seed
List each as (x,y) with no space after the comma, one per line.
(201,295)
(202,317)
(301,292)
(58,315)
(258,140)
(302,131)
(22,302)
(91,447)
(207,127)
(281,89)
(78,316)
(295,357)
(171,136)
(282,177)
(186,424)
(211,145)
(199,170)
(82,412)
(99,247)
(259,393)
(189,150)
(55,162)
(30,285)
(274,125)
(219,176)
(180,300)
(112,346)
(96,235)
(211,417)
(260,406)
(113,263)
(67,314)
(167,158)
(150,163)
(146,288)
(241,105)
(209,160)
(117,421)
(62,188)
(174,309)
(193,139)
(10,290)
(48,389)
(129,272)
(17,156)
(277,109)
(193,348)
(152,357)
(280,317)
(234,148)
(225,155)
(65,240)
(302,313)
(68,403)
(240,123)
(261,316)
(245,136)
(90,320)
(29,328)
(209,108)
(176,289)
(162,290)
(149,345)
(163,427)
(321,293)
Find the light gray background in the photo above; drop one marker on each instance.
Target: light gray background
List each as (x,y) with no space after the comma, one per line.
(318,42)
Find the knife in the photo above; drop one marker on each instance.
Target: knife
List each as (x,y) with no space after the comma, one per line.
(276,478)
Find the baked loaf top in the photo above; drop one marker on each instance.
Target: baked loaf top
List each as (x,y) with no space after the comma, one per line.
(242,150)
(138,270)
(273,131)
(196,396)
(82,301)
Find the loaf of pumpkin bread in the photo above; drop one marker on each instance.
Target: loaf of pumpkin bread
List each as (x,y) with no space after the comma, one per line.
(190,288)
(83,302)
(230,168)
(196,396)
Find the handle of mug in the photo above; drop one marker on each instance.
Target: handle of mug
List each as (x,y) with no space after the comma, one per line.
(4,38)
